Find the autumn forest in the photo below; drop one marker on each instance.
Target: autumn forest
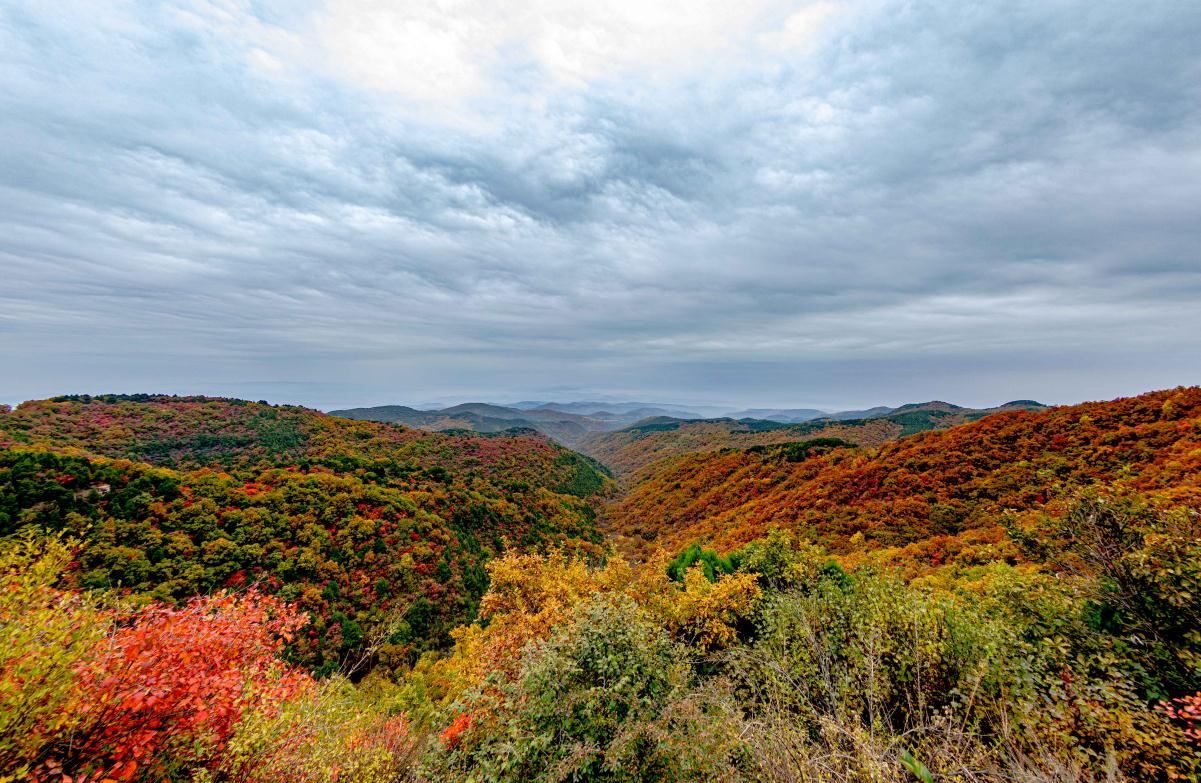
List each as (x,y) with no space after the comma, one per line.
(205,589)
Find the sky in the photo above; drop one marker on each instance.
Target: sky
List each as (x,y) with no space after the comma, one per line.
(760,203)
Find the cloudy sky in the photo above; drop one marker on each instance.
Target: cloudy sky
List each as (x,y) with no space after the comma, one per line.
(761,203)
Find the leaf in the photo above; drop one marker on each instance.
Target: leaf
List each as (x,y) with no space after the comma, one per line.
(916,767)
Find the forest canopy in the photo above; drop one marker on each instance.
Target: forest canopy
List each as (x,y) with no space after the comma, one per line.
(1016,598)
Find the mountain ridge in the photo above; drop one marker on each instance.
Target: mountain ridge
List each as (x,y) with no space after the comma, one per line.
(941,482)
(574,424)
(630,449)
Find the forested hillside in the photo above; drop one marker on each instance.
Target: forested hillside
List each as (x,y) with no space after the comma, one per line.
(934,484)
(1013,599)
(190,432)
(628,450)
(367,528)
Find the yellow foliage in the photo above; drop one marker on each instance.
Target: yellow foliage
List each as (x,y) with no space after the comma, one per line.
(705,614)
(531,594)
(335,731)
(528,595)
(44,635)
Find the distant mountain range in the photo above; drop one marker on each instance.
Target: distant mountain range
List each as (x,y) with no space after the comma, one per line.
(937,405)
(784,415)
(609,410)
(565,422)
(583,424)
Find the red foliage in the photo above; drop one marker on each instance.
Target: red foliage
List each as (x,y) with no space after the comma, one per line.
(1187,710)
(452,735)
(181,677)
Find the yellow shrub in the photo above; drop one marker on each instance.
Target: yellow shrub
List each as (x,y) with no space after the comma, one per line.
(705,614)
(44,636)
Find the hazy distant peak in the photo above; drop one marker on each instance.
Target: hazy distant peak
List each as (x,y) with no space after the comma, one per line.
(786,415)
(361,413)
(933,405)
(868,413)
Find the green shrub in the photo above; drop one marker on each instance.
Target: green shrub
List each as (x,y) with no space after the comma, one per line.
(607,698)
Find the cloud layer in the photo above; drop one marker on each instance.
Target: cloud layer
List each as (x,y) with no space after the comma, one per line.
(773,203)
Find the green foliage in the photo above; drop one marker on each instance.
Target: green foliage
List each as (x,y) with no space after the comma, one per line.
(711,564)
(594,703)
(1143,568)
(799,451)
(916,768)
(584,476)
(913,422)
(871,651)
(780,563)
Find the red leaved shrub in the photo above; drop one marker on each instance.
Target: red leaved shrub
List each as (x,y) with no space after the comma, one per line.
(169,687)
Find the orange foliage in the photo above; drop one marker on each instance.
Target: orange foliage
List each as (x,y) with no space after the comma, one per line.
(528,595)
(929,485)
(452,735)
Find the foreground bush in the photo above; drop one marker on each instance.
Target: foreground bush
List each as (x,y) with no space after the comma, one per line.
(91,690)
(1009,683)
(607,698)
(96,692)
(792,668)
(46,638)
(335,731)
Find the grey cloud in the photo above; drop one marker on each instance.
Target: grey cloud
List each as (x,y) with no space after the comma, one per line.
(935,200)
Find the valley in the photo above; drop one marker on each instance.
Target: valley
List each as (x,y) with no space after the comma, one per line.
(628,436)
(450,586)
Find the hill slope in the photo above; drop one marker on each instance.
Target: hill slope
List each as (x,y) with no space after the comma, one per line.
(355,522)
(628,450)
(192,432)
(937,483)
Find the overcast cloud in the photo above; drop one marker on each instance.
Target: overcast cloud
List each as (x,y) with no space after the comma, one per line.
(761,203)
